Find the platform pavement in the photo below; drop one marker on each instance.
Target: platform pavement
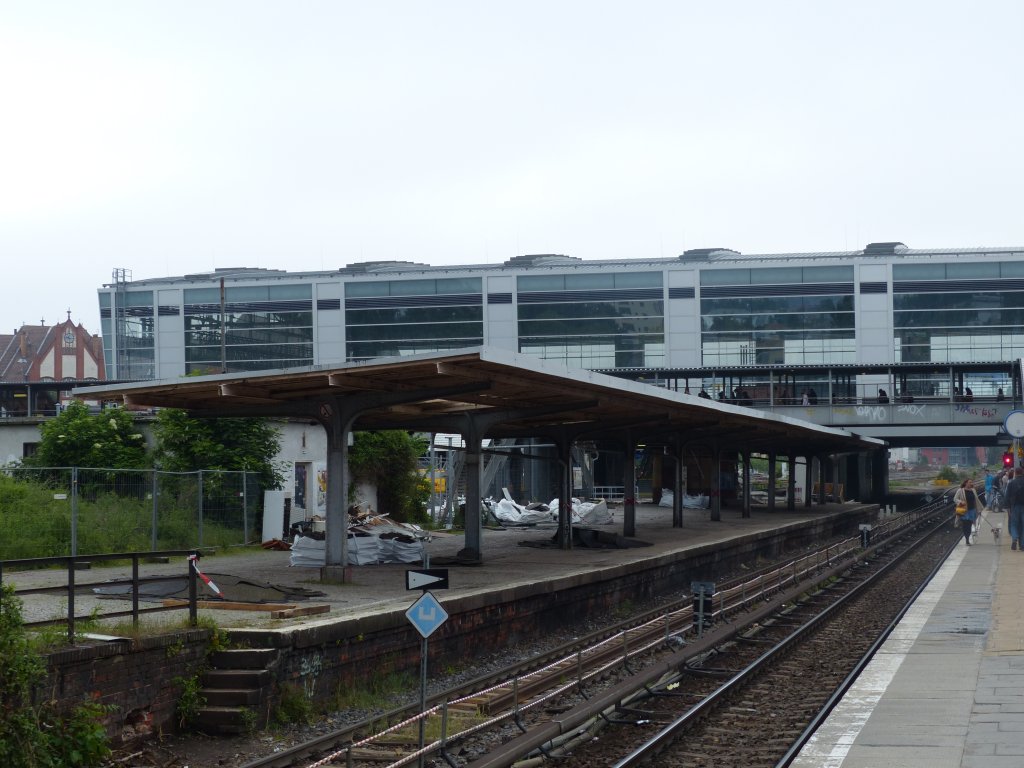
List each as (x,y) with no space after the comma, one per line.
(380,588)
(946,689)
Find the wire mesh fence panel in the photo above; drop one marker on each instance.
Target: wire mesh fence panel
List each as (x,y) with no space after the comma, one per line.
(215,507)
(35,512)
(61,511)
(222,510)
(177,511)
(113,509)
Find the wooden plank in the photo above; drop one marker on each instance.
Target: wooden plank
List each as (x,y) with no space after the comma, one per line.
(227,605)
(304,610)
(276,610)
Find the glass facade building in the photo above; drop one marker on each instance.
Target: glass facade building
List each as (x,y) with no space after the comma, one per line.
(958,312)
(777,315)
(253,328)
(603,320)
(385,318)
(704,309)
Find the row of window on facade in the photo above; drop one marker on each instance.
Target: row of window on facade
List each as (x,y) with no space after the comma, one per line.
(576,319)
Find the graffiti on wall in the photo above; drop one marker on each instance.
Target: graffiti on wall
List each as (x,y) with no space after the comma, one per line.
(321,487)
(309,670)
(907,412)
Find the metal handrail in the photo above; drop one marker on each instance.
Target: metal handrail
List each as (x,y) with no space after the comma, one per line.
(68,563)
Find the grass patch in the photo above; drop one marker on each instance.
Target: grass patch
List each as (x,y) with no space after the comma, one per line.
(376,694)
(108,520)
(294,706)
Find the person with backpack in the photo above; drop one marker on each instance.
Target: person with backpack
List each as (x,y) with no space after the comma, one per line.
(966,505)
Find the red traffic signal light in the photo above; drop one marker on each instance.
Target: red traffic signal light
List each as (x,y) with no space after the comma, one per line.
(1008,459)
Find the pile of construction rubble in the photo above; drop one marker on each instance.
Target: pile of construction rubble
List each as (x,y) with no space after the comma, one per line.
(373,539)
(507,512)
(699,501)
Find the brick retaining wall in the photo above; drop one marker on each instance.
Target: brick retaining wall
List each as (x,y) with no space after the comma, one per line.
(322,659)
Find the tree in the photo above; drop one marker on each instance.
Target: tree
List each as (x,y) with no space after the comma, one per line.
(78,438)
(389,459)
(185,444)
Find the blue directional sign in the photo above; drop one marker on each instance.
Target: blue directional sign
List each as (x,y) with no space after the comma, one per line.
(426,614)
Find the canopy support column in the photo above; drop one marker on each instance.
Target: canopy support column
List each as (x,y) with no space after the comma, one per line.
(746,456)
(791,484)
(629,486)
(809,479)
(716,483)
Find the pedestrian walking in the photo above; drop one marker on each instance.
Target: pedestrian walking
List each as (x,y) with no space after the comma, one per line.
(966,505)
(1013,500)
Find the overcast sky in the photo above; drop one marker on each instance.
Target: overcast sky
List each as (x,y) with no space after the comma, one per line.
(176,137)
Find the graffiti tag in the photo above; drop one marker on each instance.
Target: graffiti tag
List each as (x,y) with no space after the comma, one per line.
(309,671)
(871,412)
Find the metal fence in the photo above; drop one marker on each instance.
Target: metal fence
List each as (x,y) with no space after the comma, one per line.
(71,586)
(61,511)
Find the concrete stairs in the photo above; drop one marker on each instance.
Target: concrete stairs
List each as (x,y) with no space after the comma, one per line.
(237,689)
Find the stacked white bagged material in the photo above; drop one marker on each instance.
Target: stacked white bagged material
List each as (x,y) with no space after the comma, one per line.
(308,552)
(363,549)
(689,502)
(400,549)
(592,513)
(588,512)
(507,511)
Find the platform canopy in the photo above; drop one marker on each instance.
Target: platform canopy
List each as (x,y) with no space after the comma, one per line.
(482,393)
(521,395)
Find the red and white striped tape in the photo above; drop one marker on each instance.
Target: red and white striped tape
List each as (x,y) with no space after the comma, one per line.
(194,559)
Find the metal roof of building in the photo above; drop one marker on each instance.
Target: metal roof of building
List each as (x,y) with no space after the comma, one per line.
(561,262)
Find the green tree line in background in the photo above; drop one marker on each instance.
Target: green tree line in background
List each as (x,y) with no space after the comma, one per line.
(122,505)
(111,439)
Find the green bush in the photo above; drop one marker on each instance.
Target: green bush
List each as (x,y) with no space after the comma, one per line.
(388,459)
(36,735)
(294,706)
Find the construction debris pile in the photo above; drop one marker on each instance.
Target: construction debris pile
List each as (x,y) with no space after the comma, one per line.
(689,502)
(508,512)
(373,539)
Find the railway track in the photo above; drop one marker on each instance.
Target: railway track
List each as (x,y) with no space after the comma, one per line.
(752,700)
(520,704)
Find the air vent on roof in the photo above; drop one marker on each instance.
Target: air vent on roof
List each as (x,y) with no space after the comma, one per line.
(380,266)
(884,249)
(541,260)
(705,254)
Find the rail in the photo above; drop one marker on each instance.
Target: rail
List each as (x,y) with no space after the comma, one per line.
(509,700)
(72,585)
